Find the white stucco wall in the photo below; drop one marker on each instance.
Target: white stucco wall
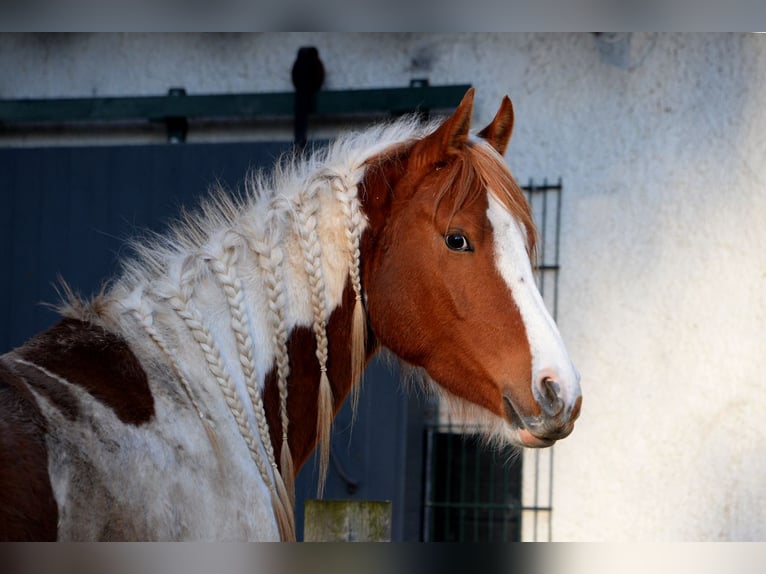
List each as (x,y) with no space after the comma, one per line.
(661,144)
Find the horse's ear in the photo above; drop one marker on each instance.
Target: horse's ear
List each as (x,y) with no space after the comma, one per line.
(451,136)
(498,132)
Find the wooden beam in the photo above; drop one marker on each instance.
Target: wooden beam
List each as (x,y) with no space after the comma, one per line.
(263,106)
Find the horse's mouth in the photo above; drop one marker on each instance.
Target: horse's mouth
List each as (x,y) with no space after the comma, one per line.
(510,413)
(527,438)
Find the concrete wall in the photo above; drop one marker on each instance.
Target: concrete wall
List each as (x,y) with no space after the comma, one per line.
(661,144)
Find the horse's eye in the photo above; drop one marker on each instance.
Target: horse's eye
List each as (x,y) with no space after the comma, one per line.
(457,242)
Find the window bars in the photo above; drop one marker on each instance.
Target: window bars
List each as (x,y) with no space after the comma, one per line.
(474,493)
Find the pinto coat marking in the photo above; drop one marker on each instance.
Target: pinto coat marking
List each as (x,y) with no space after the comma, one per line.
(122,465)
(70,353)
(28,509)
(98,361)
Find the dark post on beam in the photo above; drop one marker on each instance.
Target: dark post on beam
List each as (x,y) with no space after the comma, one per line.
(177,126)
(423,112)
(308,77)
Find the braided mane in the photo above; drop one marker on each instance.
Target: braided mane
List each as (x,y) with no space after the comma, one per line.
(303,220)
(288,245)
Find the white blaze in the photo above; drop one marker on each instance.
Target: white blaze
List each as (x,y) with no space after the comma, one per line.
(549,356)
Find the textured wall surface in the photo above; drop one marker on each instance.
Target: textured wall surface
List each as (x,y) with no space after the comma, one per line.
(661,144)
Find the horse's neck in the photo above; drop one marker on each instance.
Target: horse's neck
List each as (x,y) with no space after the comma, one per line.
(222,313)
(234,289)
(373,191)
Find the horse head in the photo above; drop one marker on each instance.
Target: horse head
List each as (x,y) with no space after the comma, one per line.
(447,272)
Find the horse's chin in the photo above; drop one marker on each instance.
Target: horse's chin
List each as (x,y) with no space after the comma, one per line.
(528,440)
(524,437)
(500,429)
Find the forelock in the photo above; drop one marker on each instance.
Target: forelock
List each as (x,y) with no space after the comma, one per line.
(479,169)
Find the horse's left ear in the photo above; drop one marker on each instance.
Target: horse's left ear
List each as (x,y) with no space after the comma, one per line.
(451,136)
(498,132)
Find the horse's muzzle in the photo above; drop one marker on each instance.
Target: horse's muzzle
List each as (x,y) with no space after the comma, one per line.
(554,423)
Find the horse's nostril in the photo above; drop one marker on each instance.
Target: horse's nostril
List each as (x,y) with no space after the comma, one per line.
(551,402)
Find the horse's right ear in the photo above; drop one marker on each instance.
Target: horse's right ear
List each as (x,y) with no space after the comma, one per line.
(450,137)
(498,132)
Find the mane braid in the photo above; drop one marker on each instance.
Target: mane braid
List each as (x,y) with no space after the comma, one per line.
(224,268)
(346,192)
(182,304)
(143,315)
(312,254)
(270,258)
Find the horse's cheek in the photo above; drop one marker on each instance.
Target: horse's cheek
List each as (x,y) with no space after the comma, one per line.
(396,315)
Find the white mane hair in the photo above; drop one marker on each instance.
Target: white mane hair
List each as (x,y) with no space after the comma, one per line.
(292,177)
(221,292)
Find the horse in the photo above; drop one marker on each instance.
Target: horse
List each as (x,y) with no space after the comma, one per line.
(180,401)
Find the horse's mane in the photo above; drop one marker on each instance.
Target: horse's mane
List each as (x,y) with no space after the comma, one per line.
(478,169)
(346,156)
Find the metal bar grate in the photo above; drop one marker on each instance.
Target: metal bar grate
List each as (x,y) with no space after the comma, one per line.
(485,494)
(473,493)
